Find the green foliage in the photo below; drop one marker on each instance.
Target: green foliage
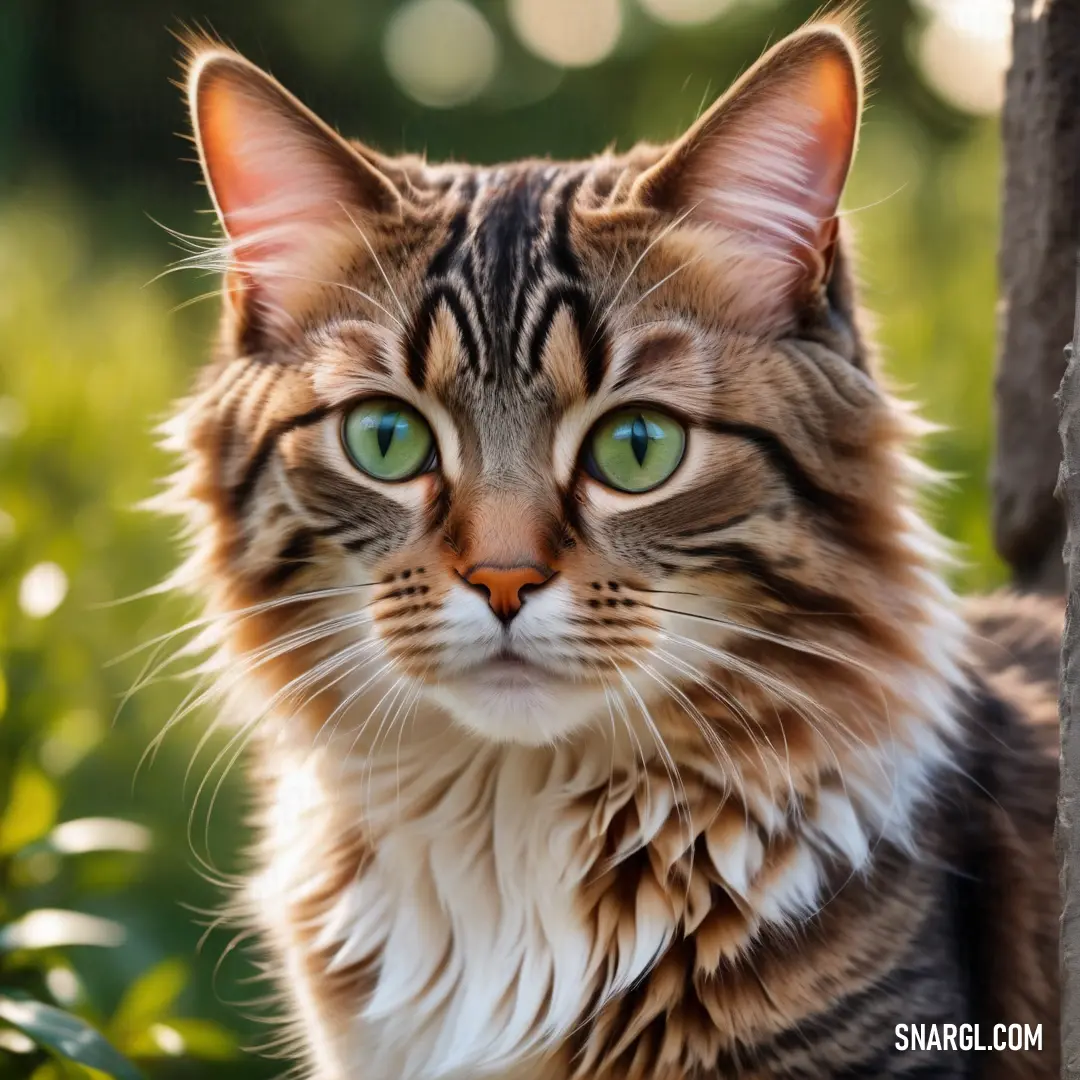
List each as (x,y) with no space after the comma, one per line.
(95,950)
(92,350)
(44,1005)
(66,1035)
(927,222)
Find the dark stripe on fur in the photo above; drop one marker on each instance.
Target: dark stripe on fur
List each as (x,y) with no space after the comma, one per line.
(437,270)
(591,339)
(795,595)
(561,252)
(507,262)
(419,339)
(808,490)
(242,491)
(358,544)
(468,274)
(713,526)
(517,321)
(294,555)
(440,264)
(650,355)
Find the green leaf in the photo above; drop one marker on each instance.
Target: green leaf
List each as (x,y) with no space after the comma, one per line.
(31,810)
(70,739)
(150,997)
(205,1039)
(49,1071)
(66,1036)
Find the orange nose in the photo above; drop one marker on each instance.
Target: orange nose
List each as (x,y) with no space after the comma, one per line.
(504,585)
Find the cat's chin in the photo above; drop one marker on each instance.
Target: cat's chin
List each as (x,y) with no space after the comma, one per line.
(518,703)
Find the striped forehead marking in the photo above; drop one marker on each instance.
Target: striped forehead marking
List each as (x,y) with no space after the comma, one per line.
(505,270)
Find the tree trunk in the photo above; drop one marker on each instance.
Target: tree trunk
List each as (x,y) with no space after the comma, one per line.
(1040,237)
(1068,826)
(1036,477)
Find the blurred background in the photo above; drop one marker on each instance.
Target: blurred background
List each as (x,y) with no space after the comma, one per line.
(103,893)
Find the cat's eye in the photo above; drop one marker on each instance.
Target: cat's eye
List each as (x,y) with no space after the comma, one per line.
(635,449)
(388,439)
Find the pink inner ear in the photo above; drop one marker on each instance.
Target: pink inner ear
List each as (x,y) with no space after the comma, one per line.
(268,176)
(774,172)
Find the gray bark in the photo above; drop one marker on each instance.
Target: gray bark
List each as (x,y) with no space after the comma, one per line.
(1040,236)
(1068,828)
(1036,477)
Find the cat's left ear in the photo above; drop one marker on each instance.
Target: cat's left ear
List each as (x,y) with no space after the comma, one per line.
(766,165)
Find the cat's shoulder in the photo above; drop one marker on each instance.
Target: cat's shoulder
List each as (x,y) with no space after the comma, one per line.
(996,823)
(1015,649)
(1018,631)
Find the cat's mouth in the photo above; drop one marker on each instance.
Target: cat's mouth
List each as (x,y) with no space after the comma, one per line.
(509,672)
(511,697)
(510,669)
(509,656)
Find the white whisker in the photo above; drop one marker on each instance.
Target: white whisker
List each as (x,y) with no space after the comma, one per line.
(661,235)
(678,789)
(378,263)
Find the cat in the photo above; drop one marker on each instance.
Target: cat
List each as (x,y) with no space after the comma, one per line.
(608,713)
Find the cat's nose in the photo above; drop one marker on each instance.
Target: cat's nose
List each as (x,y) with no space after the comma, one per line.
(506,586)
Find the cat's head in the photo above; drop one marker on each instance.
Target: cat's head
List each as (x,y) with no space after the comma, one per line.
(571,437)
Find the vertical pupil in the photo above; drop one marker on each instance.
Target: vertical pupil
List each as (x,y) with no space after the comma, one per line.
(639,438)
(385,432)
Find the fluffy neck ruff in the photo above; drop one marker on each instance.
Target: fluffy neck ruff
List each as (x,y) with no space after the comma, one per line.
(449,907)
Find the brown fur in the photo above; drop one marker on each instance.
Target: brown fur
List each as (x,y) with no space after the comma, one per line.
(797,545)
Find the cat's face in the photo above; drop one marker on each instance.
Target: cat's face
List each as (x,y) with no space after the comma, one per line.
(572,431)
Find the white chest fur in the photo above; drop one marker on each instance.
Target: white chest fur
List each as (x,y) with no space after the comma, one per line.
(468,909)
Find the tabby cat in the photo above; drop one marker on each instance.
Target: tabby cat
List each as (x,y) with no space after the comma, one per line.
(608,713)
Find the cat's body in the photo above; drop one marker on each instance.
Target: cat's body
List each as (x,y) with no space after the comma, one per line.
(610,714)
(964,932)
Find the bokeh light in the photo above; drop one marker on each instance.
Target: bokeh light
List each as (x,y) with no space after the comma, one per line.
(81,835)
(570,33)
(12,418)
(441,52)
(63,985)
(685,12)
(42,590)
(964,51)
(45,928)
(168,1039)
(15,1042)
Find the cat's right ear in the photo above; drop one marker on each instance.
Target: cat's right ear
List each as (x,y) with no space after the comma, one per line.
(289,191)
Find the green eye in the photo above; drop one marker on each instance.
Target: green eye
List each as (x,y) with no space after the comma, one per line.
(388,439)
(635,449)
